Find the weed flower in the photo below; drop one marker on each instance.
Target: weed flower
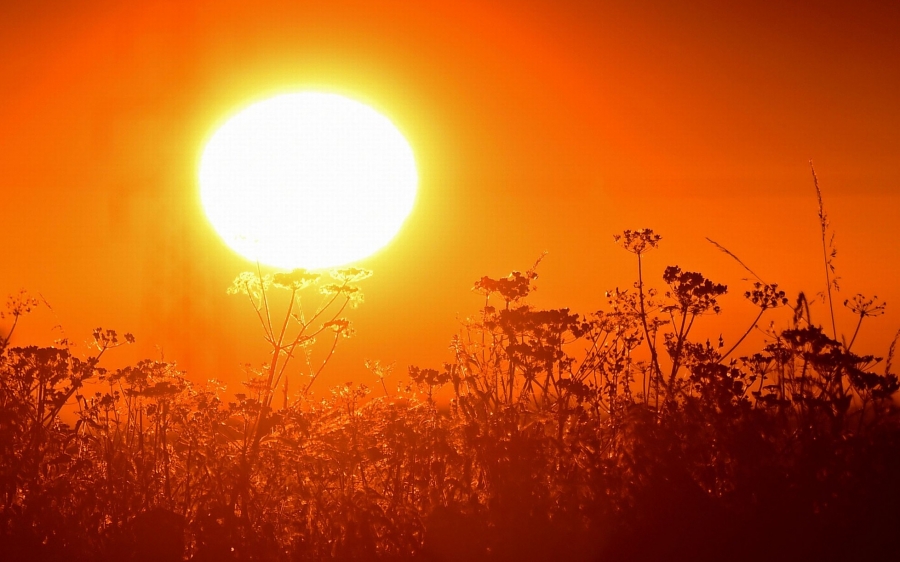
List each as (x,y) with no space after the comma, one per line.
(862,306)
(248,283)
(694,293)
(296,280)
(350,274)
(766,295)
(638,241)
(17,305)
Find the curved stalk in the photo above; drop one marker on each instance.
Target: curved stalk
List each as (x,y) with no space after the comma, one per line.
(747,333)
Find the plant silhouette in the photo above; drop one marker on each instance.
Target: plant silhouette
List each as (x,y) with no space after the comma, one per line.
(547,435)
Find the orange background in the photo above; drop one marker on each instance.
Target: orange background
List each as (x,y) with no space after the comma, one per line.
(537,125)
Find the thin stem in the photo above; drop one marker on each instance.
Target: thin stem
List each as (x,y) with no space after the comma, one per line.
(324,362)
(277,348)
(855,332)
(5,341)
(737,259)
(265,300)
(301,337)
(747,333)
(676,363)
(262,322)
(656,371)
(287,317)
(676,360)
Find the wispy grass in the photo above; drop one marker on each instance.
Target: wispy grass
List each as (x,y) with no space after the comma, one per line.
(829,251)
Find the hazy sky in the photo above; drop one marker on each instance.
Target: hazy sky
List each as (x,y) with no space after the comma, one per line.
(537,125)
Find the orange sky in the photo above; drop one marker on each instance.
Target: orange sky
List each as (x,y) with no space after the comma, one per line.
(537,125)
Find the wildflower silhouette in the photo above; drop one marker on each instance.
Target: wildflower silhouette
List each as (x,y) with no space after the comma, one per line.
(546,434)
(16,306)
(639,242)
(864,308)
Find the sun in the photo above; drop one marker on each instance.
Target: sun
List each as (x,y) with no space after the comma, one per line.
(307,179)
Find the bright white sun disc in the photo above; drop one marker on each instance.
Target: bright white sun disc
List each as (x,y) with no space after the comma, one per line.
(310,180)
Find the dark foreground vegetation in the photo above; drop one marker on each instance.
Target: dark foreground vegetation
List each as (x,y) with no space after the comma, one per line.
(547,436)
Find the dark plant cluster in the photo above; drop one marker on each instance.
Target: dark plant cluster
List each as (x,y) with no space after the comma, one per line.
(548,435)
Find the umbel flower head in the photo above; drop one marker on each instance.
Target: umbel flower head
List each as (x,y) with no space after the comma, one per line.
(296,280)
(692,292)
(766,295)
(862,306)
(638,241)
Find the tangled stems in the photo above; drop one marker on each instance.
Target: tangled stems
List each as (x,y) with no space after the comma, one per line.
(335,297)
(693,295)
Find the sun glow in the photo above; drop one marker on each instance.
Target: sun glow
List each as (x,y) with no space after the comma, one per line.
(309,179)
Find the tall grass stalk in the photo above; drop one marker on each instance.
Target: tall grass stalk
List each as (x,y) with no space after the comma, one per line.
(829,252)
